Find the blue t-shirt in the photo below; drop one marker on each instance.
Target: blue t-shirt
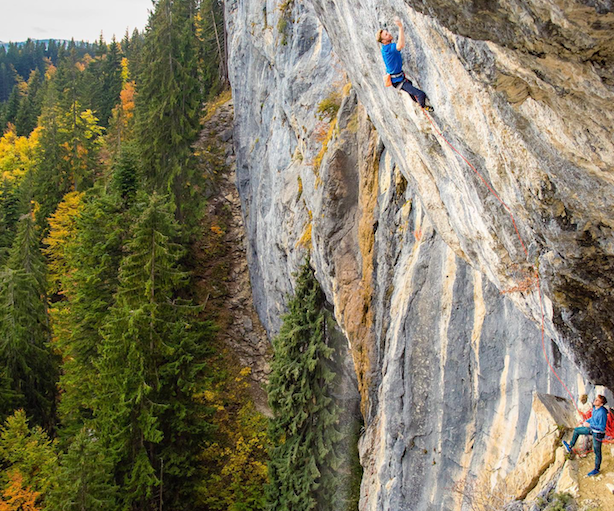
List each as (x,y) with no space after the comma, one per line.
(393,60)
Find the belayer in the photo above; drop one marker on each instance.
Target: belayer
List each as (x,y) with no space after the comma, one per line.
(595,426)
(394,65)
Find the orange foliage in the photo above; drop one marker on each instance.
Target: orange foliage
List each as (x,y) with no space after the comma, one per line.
(17,498)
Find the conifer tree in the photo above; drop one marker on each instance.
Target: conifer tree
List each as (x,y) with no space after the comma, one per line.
(84,481)
(30,106)
(91,256)
(24,326)
(168,100)
(9,214)
(303,428)
(152,354)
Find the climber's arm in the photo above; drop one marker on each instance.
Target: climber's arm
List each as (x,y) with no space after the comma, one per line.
(401,42)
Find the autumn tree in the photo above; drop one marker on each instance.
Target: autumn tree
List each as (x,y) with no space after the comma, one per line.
(29,461)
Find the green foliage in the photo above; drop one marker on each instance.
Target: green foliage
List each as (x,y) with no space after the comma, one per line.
(211,34)
(25,355)
(235,459)
(126,172)
(558,502)
(169,100)
(90,256)
(304,428)
(330,105)
(69,147)
(9,215)
(103,81)
(26,118)
(285,20)
(84,479)
(132,415)
(152,354)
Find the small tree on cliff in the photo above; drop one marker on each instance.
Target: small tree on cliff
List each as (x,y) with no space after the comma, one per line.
(303,433)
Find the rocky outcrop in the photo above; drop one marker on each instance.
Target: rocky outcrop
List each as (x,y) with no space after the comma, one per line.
(422,263)
(222,271)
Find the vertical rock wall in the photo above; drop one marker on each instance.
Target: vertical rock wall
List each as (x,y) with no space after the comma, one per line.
(410,247)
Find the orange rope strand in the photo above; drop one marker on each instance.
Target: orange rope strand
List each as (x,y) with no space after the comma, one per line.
(524,248)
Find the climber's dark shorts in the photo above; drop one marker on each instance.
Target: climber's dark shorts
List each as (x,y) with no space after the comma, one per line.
(416,94)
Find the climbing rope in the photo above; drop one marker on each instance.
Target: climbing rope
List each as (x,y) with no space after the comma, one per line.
(524,248)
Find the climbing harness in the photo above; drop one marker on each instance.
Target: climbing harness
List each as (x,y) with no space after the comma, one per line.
(524,248)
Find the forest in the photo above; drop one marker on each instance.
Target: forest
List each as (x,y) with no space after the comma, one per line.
(114,390)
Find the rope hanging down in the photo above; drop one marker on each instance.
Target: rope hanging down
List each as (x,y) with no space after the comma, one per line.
(524,248)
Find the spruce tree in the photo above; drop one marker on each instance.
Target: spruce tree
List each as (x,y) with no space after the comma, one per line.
(168,101)
(303,429)
(152,354)
(25,352)
(84,480)
(30,106)
(9,215)
(92,260)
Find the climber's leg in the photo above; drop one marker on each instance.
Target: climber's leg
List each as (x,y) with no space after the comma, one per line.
(416,94)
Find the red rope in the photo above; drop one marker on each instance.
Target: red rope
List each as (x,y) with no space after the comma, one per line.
(524,248)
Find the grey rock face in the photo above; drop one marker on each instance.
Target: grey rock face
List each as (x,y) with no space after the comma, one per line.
(428,279)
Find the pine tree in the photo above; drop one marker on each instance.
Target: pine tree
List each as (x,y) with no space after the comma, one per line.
(24,326)
(152,354)
(50,181)
(303,428)
(168,100)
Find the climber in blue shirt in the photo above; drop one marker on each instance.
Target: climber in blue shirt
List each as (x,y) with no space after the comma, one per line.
(594,426)
(394,64)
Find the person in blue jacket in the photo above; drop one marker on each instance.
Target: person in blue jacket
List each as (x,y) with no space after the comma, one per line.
(394,64)
(594,426)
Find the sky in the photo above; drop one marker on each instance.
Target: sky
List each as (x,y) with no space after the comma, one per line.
(82,20)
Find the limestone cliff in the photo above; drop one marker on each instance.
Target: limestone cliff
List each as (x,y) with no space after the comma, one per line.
(422,263)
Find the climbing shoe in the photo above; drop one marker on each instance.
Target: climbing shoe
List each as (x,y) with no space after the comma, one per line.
(428,108)
(593,473)
(567,447)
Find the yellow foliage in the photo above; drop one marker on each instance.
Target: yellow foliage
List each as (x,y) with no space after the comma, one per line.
(235,460)
(305,239)
(62,230)
(212,106)
(122,120)
(50,72)
(16,154)
(125,70)
(329,135)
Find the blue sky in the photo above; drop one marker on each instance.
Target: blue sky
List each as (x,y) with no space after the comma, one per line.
(65,19)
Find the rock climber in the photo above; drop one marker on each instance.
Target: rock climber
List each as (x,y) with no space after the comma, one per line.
(594,426)
(394,64)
